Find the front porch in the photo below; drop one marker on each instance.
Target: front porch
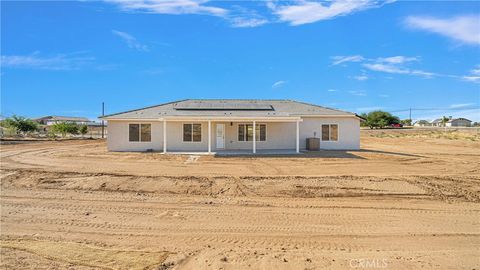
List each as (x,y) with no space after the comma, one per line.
(232,136)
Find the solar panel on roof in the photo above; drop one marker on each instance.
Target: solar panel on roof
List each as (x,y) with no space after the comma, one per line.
(222,106)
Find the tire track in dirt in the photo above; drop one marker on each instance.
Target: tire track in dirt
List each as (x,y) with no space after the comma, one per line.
(446,187)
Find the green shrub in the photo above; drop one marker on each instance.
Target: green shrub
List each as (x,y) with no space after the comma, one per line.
(65,128)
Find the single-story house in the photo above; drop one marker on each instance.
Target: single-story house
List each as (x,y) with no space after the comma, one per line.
(219,125)
(422,123)
(53,119)
(459,122)
(437,123)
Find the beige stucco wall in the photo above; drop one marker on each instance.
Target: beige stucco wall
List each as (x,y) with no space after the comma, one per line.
(175,138)
(348,132)
(279,136)
(117,138)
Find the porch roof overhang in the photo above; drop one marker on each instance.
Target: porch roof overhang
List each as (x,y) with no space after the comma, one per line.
(214,118)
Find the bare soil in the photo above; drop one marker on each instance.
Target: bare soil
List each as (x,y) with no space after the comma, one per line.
(407,200)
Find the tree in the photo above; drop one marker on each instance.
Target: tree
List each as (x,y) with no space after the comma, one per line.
(444,121)
(380,119)
(65,128)
(406,122)
(83,130)
(20,124)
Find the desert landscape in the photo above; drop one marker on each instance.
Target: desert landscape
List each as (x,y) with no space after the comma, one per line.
(409,199)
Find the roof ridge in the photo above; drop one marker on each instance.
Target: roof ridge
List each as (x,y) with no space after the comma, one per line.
(61,116)
(244,99)
(319,106)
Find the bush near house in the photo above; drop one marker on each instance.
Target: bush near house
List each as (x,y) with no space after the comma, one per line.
(20,124)
(406,122)
(65,128)
(379,119)
(83,130)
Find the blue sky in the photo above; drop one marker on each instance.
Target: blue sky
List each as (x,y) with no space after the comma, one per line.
(66,57)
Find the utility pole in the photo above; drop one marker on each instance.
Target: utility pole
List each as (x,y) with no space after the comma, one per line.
(410,116)
(103,122)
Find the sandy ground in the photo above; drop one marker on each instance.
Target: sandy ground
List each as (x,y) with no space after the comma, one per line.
(407,200)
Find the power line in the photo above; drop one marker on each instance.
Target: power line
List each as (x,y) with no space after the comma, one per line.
(435,109)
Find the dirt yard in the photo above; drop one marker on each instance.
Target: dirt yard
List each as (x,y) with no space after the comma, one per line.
(407,200)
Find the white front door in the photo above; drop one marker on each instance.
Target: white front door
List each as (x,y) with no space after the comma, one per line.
(220,136)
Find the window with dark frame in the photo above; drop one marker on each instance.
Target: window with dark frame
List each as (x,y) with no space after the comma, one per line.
(134,132)
(245,132)
(192,132)
(330,132)
(139,132)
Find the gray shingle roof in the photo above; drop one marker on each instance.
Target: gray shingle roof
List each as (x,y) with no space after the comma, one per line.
(457,119)
(63,118)
(229,108)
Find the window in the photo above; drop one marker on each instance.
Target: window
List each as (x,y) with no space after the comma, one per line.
(139,132)
(192,132)
(145,132)
(245,132)
(329,132)
(134,131)
(334,132)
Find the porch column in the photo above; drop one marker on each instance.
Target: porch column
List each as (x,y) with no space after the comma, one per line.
(297,145)
(209,136)
(254,140)
(164,136)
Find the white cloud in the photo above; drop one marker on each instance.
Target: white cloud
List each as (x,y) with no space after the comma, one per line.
(475,79)
(236,15)
(303,12)
(474,75)
(360,93)
(337,60)
(476,71)
(464,29)
(332,90)
(300,12)
(361,77)
(425,74)
(170,7)
(396,65)
(278,84)
(385,68)
(397,59)
(71,61)
(130,40)
(247,22)
(461,105)
(393,64)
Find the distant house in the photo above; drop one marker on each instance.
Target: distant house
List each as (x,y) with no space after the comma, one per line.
(201,125)
(437,123)
(459,122)
(422,123)
(50,120)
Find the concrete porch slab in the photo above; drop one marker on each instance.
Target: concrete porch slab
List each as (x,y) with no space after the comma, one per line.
(266,152)
(229,153)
